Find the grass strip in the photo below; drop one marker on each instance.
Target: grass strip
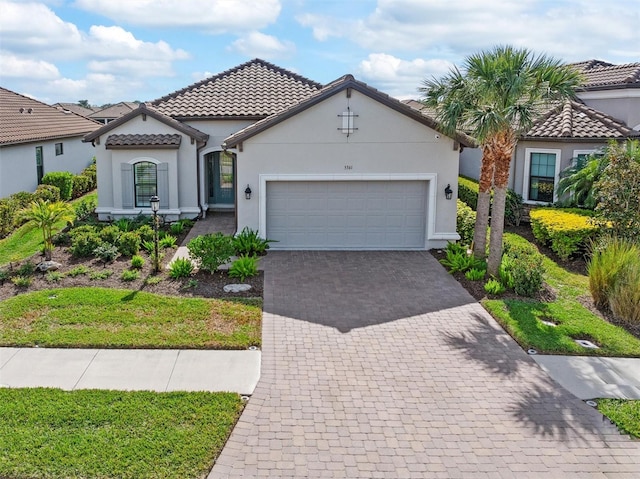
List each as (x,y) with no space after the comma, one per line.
(112,318)
(50,433)
(523,319)
(26,241)
(624,413)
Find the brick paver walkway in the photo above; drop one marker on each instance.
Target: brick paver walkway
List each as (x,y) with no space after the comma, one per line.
(377,364)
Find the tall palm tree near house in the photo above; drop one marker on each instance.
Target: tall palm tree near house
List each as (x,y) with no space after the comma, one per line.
(44,215)
(496,97)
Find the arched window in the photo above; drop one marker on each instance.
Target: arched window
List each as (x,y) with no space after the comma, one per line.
(145,179)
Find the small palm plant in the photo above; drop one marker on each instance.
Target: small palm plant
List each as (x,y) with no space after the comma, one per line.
(44,215)
(576,182)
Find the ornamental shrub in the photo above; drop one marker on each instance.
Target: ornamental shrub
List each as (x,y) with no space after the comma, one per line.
(248,242)
(137,262)
(244,267)
(567,233)
(468,192)
(63,180)
(181,268)
(48,193)
(465,223)
(83,244)
(129,243)
(107,253)
(110,234)
(145,232)
(514,208)
(522,268)
(81,185)
(210,251)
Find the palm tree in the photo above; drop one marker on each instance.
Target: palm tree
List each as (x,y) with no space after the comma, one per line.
(44,215)
(496,98)
(576,182)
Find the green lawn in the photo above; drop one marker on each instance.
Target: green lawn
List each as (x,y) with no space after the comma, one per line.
(523,318)
(625,414)
(49,433)
(27,241)
(111,318)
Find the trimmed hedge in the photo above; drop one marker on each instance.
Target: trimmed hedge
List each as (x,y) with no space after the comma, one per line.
(468,192)
(61,179)
(465,223)
(567,232)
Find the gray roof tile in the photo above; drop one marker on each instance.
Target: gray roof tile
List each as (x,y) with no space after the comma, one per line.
(602,75)
(255,90)
(23,120)
(145,140)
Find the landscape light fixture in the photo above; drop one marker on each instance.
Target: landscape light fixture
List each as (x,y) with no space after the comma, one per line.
(448,192)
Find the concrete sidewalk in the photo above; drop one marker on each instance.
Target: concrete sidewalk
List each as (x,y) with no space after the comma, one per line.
(131,369)
(589,377)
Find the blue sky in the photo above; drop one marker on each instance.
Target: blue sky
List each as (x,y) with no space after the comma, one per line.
(123,50)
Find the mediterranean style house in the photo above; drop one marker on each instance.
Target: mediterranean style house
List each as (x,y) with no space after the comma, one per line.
(35,139)
(607,108)
(336,166)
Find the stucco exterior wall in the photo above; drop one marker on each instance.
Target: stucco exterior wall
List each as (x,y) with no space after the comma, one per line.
(183,194)
(18,162)
(385,143)
(623,105)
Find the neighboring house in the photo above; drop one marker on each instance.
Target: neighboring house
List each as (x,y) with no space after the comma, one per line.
(36,138)
(110,113)
(341,166)
(607,108)
(74,108)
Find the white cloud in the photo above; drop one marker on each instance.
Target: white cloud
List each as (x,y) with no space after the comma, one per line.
(571,30)
(213,16)
(16,67)
(397,77)
(197,76)
(257,44)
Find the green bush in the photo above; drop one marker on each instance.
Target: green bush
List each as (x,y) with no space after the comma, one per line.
(610,257)
(26,269)
(125,224)
(98,275)
(145,232)
(48,193)
(248,242)
(8,210)
(457,260)
(210,251)
(130,275)
(137,262)
(63,180)
(181,268)
(624,298)
(494,287)
(514,208)
(78,270)
(567,233)
(107,253)
(244,267)
(83,244)
(176,228)
(522,269)
(148,245)
(168,241)
(85,208)
(53,276)
(21,281)
(129,243)
(468,192)
(475,274)
(110,234)
(465,223)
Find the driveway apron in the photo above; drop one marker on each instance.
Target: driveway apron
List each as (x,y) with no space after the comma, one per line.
(378,364)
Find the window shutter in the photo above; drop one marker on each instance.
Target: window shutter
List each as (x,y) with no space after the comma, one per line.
(127,185)
(163,184)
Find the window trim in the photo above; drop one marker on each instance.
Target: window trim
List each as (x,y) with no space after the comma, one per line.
(527,173)
(61,151)
(135,183)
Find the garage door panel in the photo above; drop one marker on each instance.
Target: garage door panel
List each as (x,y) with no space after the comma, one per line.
(347,214)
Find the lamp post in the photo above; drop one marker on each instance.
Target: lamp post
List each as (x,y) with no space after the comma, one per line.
(155,206)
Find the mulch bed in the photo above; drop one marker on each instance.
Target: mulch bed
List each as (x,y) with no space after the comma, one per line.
(201,284)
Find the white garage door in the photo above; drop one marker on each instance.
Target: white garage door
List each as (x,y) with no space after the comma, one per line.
(346,214)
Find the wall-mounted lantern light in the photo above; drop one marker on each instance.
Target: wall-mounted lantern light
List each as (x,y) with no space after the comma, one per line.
(448,192)
(247,193)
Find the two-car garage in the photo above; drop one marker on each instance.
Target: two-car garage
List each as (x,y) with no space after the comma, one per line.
(346,214)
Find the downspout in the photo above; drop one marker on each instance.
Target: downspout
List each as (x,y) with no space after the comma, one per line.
(198,150)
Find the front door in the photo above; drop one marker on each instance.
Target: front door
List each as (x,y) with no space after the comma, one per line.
(220,183)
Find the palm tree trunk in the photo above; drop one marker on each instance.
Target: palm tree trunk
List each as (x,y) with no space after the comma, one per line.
(505,146)
(484,202)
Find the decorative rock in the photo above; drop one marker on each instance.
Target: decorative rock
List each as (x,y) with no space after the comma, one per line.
(236,288)
(48,266)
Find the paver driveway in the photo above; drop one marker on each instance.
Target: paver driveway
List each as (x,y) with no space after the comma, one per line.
(378,364)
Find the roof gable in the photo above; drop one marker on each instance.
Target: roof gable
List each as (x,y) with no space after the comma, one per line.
(24,120)
(253,90)
(599,75)
(341,84)
(573,120)
(143,109)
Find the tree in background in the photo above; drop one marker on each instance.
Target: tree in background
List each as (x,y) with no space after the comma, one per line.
(618,190)
(84,104)
(496,98)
